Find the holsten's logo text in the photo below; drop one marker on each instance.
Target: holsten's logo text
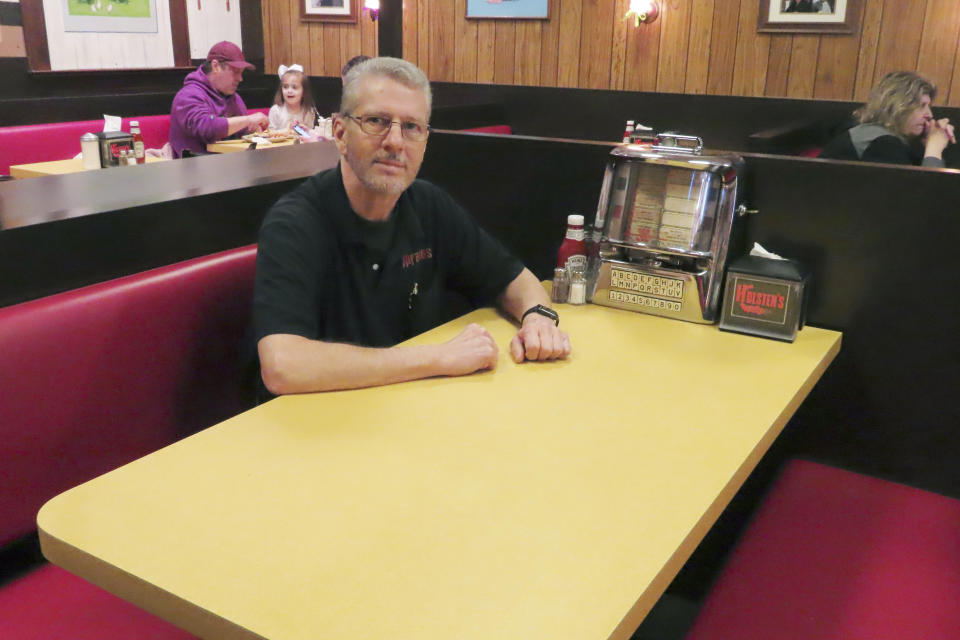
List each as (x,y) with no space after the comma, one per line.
(761,300)
(757,302)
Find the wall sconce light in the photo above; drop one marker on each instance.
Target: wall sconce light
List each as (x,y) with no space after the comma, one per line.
(372,7)
(645,11)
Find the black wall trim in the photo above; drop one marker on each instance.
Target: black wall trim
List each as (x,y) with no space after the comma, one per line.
(390,29)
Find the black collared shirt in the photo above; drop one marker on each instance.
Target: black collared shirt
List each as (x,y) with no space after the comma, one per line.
(324,273)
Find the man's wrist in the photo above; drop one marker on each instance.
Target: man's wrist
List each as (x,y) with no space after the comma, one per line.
(541,311)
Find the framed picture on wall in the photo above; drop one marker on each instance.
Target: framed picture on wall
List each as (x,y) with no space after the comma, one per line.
(107,16)
(508,9)
(76,34)
(329,10)
(809,16)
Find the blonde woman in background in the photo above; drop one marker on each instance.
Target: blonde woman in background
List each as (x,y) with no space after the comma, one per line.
(896,125)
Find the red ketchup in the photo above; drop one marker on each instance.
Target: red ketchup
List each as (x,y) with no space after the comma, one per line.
(573,250)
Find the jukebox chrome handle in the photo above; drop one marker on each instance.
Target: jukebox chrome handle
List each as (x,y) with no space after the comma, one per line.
(672,142)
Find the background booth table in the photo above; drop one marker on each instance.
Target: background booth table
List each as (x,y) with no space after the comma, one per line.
(548,500)
(58,167)
(230,146)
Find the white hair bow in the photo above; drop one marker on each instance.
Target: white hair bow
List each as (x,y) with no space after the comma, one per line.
(283,69)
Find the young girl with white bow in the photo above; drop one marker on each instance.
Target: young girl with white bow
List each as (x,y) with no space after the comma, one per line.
(294,101)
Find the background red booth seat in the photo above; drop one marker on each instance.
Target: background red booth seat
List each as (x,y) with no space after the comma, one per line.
(31,143)
(503,129)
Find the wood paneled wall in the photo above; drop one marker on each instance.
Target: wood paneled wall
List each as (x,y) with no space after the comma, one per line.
(322,48)
(696,46)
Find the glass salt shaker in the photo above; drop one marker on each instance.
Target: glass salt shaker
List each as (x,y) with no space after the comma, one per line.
(578,287)
(561,285)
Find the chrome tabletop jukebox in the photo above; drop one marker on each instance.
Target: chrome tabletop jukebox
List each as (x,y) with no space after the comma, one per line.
(666,214)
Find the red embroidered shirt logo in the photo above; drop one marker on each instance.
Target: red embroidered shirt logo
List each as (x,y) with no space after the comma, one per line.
(417,256)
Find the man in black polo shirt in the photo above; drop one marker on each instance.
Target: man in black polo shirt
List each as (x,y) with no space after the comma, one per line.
(363,256)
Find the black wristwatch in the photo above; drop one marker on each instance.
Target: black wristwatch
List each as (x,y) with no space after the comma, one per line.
(544,311)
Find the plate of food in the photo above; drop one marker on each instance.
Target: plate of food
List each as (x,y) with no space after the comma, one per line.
(270,136)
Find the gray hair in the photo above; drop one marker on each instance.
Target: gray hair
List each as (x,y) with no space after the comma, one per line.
(406,73)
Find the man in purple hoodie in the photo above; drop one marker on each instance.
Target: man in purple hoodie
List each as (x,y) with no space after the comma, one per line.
(208,108)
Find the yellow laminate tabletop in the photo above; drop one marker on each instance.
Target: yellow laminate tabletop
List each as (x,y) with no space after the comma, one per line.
(57,167)
(544,500)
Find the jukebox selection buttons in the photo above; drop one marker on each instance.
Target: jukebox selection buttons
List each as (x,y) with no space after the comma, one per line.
(644,301)
(646,283)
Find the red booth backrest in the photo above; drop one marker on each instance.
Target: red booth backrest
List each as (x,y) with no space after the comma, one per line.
(503,129)
(99,376)
(61,140)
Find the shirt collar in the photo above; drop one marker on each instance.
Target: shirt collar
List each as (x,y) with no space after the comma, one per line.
(345,218)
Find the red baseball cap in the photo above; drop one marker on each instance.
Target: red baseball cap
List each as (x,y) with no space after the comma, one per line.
(229,53)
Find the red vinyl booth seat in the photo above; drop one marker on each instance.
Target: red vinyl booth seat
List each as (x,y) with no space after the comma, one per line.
(50,603)
(92,379)
(99,376)
(834,555)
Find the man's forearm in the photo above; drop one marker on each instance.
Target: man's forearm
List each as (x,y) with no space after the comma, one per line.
(523,292)
(294,364)
(237,123)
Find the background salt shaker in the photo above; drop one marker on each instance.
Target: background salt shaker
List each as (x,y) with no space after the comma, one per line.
(90,149)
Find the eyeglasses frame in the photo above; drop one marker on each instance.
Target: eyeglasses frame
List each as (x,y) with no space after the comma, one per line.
(399,123)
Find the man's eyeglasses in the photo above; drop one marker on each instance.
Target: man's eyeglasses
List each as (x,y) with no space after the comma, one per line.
(379,125)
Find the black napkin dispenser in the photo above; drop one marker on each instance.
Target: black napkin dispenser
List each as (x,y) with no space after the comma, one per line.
(111,144)
(765,297)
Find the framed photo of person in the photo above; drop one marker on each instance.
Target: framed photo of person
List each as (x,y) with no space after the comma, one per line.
(509,9)
(809,16)
(329,10)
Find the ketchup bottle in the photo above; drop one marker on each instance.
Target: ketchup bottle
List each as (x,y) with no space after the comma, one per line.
(573,250)
(138,150)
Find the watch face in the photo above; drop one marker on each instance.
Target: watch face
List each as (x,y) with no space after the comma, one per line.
(547,311)
(544,311)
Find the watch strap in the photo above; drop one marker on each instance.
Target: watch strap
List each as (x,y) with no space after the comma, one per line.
(543,311)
